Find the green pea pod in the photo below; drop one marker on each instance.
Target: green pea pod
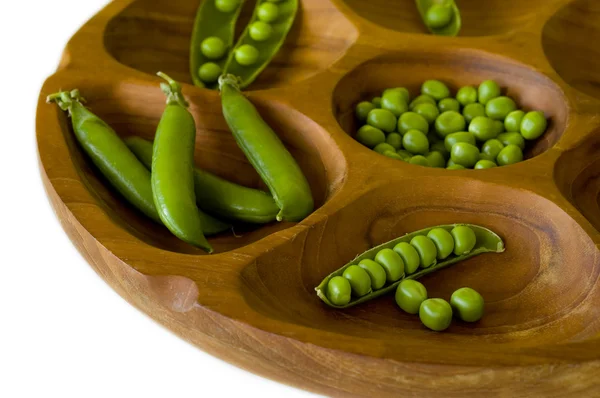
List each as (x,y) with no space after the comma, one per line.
(267,49)
(452,28)
(216,195)
(487,242)
(266,153)
(211,22)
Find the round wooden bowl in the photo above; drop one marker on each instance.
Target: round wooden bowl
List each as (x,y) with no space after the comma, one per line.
(253,302)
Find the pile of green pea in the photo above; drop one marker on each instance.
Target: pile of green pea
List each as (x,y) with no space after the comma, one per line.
(478,128)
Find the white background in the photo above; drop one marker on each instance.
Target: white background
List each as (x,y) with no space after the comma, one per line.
(63,331)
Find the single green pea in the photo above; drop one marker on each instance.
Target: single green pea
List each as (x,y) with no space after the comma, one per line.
(464,154)
(448,104)
(533,125)
(464,240)
(498,108)
(383,148)
(395,140)
(410,294)
(419,160)
(370,136)
(377,102)
(467,304)
(451,163)
(392,264)
(467,95)
(213,48)
(362,110)
(339,290)
(436,314)
(491,149)
(435,89)
(512,139)
(412,121)
(227,5)
(438,16)
(449,122)
(498,127)
(461,136)
(260,31)
(436,159)
(382,119)
(441,148)
(422,99)
(429,111)
(471,111)
(415,142)
(488,90)
(376,273)
(209,72)
(426,249)
(511,154)
(393,155)
(405,93)
(483,128)
(485,164)
(405,155)
(455,167)
(513,120)
(246,55)
(409,256)
(268,12)
(394,102)
(359,280)
(444,243)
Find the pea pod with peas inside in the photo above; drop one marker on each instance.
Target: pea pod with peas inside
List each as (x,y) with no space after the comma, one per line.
(421,253)
(441,17)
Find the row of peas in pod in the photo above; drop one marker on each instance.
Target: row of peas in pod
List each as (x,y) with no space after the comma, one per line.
(476,128)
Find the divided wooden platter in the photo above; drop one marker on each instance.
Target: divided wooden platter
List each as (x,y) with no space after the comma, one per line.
(253,302)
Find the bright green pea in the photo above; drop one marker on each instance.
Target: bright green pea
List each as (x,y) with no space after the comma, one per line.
(376,273)
(435,89)
(213,48)
(370,136)
(512,123)
(441,148)
(339,290)
(409,256)
(449,122)
(268,12)
(467,304)
(405,155)
(483,128)
(410,294)
(419,160)
(436,314)
(395,140)
(377,102)
(464,154)
(464,240)
(359,280)
(426,249)
(227,5)
(362,110)
(511,154)
(260,31)
(412,121)
(382,119)
(429,111)
(491,149)
(488,90)
(461,136)
(533,125)
(449,104)
(394,102)
(392,264)
(512,139)
(471,111)
(467,95)
(393,155)
(422,99)
(415,142)
(383,148)
(451,163)
(485,164)
(455,167)
(402,91)
(498,108)
(444,243)
(209,72)
(439,15)
(246,55)
(436,159)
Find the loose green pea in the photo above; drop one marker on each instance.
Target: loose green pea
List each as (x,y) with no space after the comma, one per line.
(512,139)
(409,256)
(415,142)
(444,243)
(471,111)
(488,90)
(339,290)
(467,95)
(533,125)
(362,110)
(429,111)
(449,122)
(449,104)
(422,99)
(467,304)
(382,119)
(499,108)
(485,164)
(419,160)
(436,314)
(410,294)
(393,155)
(462,136)
(435,89)
(402,91)
(464,240)
(268,12)
(359,280)
(465,154)
(511,154)
(491,149)
(376,273)
(512,123)
(412,121)
(455,167)
(405,155)
(383,148)
(260,31)
(227,5)
(426,249)
(438,16)
(392,264)
(370,136)
(394,102)
(213,48)
(483,128)
(377,102)
(209,72)
(451,163)
(395,140)
(441,148)
(436,159)
(246,54)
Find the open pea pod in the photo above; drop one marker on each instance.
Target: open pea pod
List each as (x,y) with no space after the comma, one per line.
(435,19)
(487,242)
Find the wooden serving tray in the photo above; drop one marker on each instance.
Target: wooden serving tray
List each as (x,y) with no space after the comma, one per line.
(253,303)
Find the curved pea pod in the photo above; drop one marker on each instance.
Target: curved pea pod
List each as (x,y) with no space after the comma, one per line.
(455,23)
(487,242)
